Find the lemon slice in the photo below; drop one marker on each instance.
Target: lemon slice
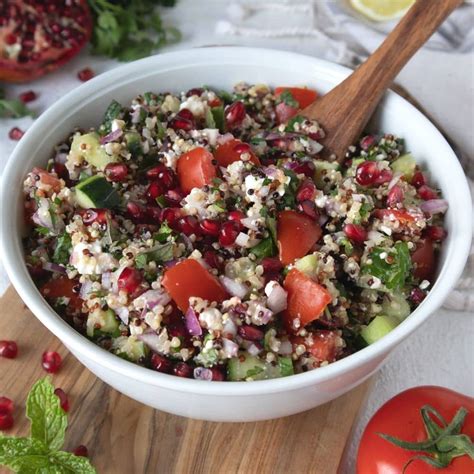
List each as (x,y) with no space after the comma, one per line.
(382,10)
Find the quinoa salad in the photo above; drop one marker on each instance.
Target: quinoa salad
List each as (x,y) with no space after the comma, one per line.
(201,234)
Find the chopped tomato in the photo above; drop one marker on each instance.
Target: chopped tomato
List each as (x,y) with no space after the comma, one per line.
(62,287)
(47,179)
(306,300)
(321,344)
(424,260)
(402,216)
(296,234)
(195,169)
(231,151)
(302,98)
(302,95)
(189,278)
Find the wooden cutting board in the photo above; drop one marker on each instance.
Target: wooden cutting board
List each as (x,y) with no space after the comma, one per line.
(126,437)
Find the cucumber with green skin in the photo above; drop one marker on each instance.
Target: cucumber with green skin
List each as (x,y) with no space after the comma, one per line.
(102,322)
(406,165)
(246,366)
(89,148)
(134,143)
(379,327)
(97,193)
(129,348)
(307,265)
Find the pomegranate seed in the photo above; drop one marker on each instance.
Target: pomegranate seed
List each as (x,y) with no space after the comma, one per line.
(15,133)
(305,167)
(417,295)
(210,227)
(367,173)
(184,120)
(385,176)
(271,265)
(8,349)
(356,233)
(174,197)
(426,193)
(217,374)
(212,259)
(229,232)
(237,216)
(171,216)
(161,363)
(153,214)
(435,232)
(418,179)
(85,74)
(242,148)
(235,114)
(306,191)
(181,369)
(189,225)
(94,215)
(81,450)
(129,280)
(61,171)
(10,39)
(309,208)
(51,361)
(196,91)
(63,400)
(367,141)
(395,196)
(6,421)
(116,172)
(6,405)
(154,191)
(27,96)
(250,333)
(134,211)
(163,175)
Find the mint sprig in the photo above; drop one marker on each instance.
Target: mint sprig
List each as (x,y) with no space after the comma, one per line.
(40,453)
(12,108)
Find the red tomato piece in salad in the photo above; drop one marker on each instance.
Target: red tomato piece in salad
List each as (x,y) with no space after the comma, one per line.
(306,300)
(189,278)
(63,287)
(195,169)
(424,260)
(299,98)
(232,150)
(322,344)
(296,234)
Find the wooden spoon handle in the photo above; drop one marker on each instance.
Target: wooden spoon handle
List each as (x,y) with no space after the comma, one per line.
(353,101)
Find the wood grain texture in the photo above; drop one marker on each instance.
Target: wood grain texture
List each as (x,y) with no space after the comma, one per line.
(126,437)
(346,109)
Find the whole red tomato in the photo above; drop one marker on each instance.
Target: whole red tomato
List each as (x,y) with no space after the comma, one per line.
(401,418)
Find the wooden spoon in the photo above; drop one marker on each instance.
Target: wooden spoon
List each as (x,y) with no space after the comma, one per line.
(345,110)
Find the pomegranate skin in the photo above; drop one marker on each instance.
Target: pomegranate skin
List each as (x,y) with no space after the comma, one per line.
(48,50)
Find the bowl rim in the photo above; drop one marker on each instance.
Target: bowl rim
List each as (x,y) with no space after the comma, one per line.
(12,256)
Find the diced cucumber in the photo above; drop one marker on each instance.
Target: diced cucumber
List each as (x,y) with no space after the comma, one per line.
(322,168)
(307,265)
(129,348)
(134,143)
(406,165)
(96,192)
(246,366)
(396,305)
(88,147)
(378,328)
(101,322)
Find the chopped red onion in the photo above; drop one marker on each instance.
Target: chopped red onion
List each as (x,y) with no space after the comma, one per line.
(395,179)
(229,328)
(270,171)
(123,314)
(233,287)
(42,216)
(112,136)
(54,267)
(171,263)
(229,347)
(153,298)
(285,348)
(135,115)
(61,158)
(323,218)
(192,322)
(85,289)
(277,297)
(201,373)
(253,349)
(107,280)
(434,206)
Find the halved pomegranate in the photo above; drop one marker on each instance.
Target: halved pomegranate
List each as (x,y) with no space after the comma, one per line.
(38,36)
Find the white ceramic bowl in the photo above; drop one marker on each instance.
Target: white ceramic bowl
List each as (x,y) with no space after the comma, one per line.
(222,68)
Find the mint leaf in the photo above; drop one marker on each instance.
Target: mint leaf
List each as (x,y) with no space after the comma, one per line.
(265,248)
(20,453)
(287,98)
(48,419)
(70,463)
(13,108)
(62,249)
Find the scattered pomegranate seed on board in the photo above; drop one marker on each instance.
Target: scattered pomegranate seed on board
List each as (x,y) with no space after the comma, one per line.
(28,96)
(15,133)
(85,74)
(64,402)
(51,361)
(8,349)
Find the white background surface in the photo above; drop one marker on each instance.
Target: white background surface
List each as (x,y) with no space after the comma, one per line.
(441,352)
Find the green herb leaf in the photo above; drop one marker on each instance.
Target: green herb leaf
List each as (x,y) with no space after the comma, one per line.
(286,366)
(287,98)
(62,249)
(17,453)
(253,372)
(48,419)
(163,233)
(290,127)
(68,462)
(265,248)
(159,254)
(113,111)
(13,108)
